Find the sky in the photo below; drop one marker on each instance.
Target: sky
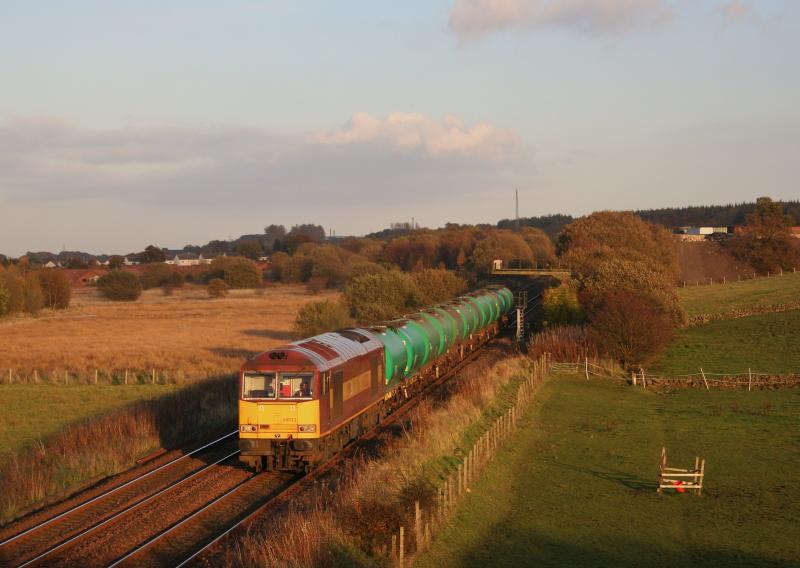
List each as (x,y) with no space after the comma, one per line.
(129,123)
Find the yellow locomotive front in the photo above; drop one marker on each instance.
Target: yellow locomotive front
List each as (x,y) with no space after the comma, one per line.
(279,410)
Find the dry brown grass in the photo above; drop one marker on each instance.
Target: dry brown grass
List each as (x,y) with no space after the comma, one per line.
(183,336)
(343,521)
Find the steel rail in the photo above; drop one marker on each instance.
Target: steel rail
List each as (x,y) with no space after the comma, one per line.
(125,511)
(180,523)
(303,481)
(112,490)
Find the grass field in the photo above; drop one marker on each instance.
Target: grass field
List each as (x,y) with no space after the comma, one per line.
(768,343)
(576,485)
(34,412)
(718,299)
(186,334)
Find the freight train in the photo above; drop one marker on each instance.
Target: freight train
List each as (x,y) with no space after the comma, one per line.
(302,403)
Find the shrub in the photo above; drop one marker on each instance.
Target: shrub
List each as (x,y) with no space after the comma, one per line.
(159,274)
(435,285)
(319,317)
(56,289)
(630,327)
(375,297)
(120,286)
(217,288)
(5,300)
(560,306)
(237,272)
(277,261)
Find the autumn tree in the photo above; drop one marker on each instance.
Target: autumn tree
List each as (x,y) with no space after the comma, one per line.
(56,289)
(152,253)
(766,243)
(631,327)
(436,285)
(115,262)
(249,249)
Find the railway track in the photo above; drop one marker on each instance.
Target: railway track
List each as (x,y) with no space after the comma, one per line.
(175,513)
(37,541)
(278,499)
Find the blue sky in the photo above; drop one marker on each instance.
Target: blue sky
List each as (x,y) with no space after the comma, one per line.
(126,123)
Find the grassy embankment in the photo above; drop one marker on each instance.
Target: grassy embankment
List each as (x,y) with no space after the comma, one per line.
(766,343)
(576,485)
(720,299)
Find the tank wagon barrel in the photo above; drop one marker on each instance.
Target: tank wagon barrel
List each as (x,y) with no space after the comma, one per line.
(302,403)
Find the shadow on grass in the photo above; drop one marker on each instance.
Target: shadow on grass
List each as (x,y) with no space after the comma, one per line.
(625,479)
(233,353)
(280,335)
(507,544)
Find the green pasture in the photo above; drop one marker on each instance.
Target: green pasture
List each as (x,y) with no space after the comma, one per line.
(33,412)
(575,486)
(719,298)
(768,343)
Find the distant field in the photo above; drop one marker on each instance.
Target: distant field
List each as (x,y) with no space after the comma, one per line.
(768,343)
(33,412)
(187,333)
(576,486)
(718,298)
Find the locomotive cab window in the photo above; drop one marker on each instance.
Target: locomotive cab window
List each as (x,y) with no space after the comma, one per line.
(296,386)
(258,385)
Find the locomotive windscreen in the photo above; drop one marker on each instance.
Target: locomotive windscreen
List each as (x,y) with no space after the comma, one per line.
(258,385)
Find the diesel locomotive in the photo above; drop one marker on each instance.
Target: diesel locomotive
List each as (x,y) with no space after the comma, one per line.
(301,403)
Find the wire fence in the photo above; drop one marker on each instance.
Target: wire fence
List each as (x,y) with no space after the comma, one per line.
(749,379)
(738,278)
(97,377)
(428,518)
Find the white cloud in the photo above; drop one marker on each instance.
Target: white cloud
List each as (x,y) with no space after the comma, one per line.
(474,19)
(235,172)
(414,131)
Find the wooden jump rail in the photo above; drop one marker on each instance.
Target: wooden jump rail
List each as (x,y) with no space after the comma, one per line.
(673,477)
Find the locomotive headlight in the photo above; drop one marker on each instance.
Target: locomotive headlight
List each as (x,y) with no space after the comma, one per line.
(307,427)
(248,428)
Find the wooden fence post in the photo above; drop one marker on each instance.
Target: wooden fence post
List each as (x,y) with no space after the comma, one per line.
(704,377)
(749,379)
(126,376)
(402,546)
(95,376)
(586,367)
(418,525)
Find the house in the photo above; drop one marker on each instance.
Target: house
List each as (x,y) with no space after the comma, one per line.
(702,233)
(188,259)
(127,262)
(90,277)
(51,264)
